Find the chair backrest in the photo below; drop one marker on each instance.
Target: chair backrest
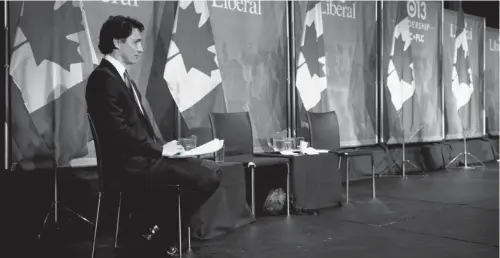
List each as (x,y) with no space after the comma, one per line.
(236,131)
(324,130)
(97,151)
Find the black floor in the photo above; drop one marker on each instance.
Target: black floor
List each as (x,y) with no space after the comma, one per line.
(450,213)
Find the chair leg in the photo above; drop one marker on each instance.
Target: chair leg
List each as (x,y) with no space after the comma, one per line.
(288,189)
(252,171)
(179,220)
(96,224)
(347,179)
(189,238)
(373,178)
(118,220)
(56,199)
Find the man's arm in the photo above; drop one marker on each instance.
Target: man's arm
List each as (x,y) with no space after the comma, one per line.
(126,134)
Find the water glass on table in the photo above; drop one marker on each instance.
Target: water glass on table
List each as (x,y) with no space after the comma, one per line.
(288,144)
(219,155)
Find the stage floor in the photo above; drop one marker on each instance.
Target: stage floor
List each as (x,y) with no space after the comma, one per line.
(450,213)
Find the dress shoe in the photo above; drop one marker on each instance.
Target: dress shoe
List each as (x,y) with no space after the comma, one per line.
(152,232)
(173,251)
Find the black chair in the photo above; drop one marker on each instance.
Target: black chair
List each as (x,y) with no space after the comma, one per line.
(236,131)
(324,134)
(121,192)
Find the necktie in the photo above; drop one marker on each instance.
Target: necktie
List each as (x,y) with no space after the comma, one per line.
(134,92)
(132,88)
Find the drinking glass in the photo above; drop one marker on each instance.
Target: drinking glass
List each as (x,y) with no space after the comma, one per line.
(219,155)
(288,144)
(188,143)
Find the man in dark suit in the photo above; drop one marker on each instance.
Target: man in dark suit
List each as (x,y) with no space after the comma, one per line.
(132,154)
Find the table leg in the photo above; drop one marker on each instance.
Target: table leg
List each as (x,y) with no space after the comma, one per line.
(347,180)
(252,168)
(288,189)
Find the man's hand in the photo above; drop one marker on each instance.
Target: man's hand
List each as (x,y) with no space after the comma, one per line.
(171,148)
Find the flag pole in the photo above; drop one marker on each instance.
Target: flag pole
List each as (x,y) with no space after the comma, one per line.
(381,80)
(178,114)
(288,74)
(178,123)
(443,128)
(290,63)
(484,72)
(377,73)
(293,65)
(8,146)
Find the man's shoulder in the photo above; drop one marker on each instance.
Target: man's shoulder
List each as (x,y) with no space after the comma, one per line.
(100,70)
(101,73)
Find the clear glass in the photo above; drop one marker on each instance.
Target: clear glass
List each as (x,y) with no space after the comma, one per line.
(219,155)
(288,144)
(188,143)
(275,140)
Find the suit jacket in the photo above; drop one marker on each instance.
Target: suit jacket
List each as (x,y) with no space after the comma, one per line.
(127,139)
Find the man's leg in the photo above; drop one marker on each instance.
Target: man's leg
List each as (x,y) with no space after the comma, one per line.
(198,179)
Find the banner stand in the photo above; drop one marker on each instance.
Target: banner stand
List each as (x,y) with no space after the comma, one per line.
(403,162)
(465,154)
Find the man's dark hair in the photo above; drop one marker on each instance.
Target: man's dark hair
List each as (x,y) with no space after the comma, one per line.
(116,27)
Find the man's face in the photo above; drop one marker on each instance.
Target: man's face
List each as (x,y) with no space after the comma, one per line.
(131,49)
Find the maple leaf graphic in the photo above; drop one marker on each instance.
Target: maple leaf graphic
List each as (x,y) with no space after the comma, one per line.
(313,49)
(402,60)
(462,66)
(47,33)
(194,51)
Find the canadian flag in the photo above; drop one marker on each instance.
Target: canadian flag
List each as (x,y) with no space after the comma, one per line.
(311,70)
(400,76)
(192,70)
(461,84)
(51,58)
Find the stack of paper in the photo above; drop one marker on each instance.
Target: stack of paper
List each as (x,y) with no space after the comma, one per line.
(207,148)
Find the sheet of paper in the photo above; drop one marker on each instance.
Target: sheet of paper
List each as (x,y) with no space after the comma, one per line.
(311,151)
(289,153)
(207,148)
